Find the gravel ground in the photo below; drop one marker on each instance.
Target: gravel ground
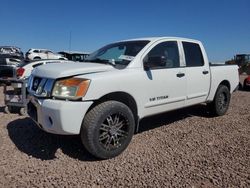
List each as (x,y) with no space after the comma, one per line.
(185,148)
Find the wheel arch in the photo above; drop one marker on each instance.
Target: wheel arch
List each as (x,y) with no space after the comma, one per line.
(37,57)
(215,88)
(124,98)
(225,83)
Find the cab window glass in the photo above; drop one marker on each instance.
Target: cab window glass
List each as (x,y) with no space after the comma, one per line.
(193,55)
(164,55)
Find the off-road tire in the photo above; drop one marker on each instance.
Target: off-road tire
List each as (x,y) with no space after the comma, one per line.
(221,101)
(96,127)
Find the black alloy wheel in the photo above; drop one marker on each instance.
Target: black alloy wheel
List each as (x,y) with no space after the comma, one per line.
(107,129)
(113,131)
(221,101)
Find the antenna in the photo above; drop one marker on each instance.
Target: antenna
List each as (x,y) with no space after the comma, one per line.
(69,41)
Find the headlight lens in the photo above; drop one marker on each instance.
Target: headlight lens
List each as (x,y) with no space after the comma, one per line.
(71,88)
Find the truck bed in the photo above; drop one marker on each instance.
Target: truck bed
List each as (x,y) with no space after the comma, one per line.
(229,73)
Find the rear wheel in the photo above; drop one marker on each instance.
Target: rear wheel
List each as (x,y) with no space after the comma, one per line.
(107,129)
(37,58)
(221,101)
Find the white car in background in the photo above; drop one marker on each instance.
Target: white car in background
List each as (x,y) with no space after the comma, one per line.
(24,70)
(35,54)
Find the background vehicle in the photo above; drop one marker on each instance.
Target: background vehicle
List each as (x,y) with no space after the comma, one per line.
(10,57)
(75,56)
(243,61)
(36,54)
(105,98)
(10,52)
(246,83)
(17,77)
(24,70)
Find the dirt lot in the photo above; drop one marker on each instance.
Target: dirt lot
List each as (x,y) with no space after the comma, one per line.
(182,148)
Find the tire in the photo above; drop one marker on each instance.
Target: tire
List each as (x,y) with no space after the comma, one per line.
(8,109)
(23,112)
(107,129)
(245,88)
(221,101)
(36,58)
(241,87)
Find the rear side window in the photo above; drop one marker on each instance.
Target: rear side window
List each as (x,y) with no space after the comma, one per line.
(193,55)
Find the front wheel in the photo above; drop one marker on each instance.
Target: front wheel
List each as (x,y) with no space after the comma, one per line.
(107,129)
(221,101)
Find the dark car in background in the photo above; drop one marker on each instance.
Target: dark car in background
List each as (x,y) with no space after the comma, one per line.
(75,56)
(10,52)
(10,57)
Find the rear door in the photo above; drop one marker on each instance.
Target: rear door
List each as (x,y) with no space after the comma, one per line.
(197,73)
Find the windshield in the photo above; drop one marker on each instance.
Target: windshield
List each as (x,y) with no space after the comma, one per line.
(121,53)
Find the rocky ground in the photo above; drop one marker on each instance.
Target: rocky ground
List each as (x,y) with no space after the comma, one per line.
(185,148)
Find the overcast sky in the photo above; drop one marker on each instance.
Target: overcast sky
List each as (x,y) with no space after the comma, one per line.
(223,26)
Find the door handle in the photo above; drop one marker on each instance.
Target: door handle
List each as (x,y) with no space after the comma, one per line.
(205,72)
(179,75)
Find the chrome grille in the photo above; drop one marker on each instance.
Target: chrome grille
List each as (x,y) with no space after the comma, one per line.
(40,87)
(36,82)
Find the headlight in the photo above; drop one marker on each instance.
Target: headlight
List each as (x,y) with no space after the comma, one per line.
(70,88)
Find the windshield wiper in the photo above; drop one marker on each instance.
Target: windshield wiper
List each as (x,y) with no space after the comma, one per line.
(103,61)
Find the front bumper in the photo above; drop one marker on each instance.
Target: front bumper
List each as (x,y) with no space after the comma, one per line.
(57,116)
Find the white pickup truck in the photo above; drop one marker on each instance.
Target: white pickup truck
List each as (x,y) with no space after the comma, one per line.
(105,98)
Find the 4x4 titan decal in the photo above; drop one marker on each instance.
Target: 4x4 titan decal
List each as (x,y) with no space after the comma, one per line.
(158,98)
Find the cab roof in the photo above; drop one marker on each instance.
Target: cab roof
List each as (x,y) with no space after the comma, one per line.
(162,38)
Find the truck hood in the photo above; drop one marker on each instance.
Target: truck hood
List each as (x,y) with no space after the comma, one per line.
(59,70)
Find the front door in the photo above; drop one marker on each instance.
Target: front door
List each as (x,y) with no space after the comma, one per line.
(165,79)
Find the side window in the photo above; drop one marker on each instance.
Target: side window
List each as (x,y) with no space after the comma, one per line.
(193,55)
(163,55)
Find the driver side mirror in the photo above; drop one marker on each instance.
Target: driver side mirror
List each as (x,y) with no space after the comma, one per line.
(154,62)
